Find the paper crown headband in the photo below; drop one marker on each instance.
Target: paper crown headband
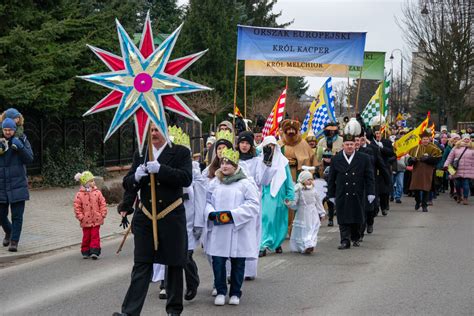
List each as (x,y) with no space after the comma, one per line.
(225,135)
(178,137)
(231,155)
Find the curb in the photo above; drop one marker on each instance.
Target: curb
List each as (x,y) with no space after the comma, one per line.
(19,255)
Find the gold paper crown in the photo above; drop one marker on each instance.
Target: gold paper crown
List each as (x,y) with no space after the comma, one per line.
(232,155)
(225,135)
(178,137)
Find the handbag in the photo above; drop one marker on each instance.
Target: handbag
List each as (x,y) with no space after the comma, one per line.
(455,163)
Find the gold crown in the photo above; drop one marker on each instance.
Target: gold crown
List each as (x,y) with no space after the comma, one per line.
(178,137)
(229,154)
(225,135)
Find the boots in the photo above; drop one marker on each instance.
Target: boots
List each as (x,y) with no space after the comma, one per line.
(13,246)
(6,240)
(465,202)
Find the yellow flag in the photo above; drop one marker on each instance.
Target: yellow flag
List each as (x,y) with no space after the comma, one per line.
(312,109)
(411,139)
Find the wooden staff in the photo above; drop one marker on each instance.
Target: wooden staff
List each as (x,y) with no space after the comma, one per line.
(127,232)
(153,193)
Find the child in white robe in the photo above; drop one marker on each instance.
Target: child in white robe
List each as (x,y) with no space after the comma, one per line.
(310,212)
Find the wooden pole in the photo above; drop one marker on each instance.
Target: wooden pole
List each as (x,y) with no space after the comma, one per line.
(358,91)
(153,193)
(245,96)
(235,91)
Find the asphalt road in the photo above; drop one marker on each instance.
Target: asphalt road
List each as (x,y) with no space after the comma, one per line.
(414,264)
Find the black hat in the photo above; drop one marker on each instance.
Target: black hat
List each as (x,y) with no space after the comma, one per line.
(246,136)
(348,138)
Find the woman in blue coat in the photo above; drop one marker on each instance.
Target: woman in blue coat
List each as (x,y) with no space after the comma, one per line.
(15,154)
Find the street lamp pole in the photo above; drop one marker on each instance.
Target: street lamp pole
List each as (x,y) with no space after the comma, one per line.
(400,105)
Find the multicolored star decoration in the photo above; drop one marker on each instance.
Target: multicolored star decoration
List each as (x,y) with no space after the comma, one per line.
(144,83)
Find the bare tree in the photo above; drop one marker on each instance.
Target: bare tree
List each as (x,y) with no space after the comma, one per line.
(442,32)
(209,103)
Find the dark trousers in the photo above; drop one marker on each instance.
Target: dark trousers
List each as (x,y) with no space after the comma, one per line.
(141,276)
(191,272)
(14,228)
(369,220)
(330,210)
(384,201)
(349,232)
(421,197)
(237,271)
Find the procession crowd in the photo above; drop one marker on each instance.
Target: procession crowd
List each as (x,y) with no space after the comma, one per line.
(246,195)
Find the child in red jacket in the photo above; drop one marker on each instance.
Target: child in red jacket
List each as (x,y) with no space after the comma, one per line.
(90,209)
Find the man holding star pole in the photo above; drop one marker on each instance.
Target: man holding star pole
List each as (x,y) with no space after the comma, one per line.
(144,83)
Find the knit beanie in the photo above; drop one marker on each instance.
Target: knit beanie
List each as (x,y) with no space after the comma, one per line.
(246,136)
(12,113)
(84,177)
(9,123)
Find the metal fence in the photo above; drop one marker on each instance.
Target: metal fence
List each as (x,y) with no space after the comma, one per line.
(55,134)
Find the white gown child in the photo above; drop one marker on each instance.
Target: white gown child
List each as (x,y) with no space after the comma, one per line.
(310,208)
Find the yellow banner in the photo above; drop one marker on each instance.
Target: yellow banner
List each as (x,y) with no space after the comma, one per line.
(293,69)
(410,140)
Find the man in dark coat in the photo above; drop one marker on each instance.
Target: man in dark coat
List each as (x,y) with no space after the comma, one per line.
(350,184)
(379,168)
(173,171)
(15,153)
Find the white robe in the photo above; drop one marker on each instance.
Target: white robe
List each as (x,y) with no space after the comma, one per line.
(262,175)
(237,239)
(307,218)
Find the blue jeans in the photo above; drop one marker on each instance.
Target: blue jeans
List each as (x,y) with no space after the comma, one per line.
(13,228)
(462,183)
(398,184)
(237,271)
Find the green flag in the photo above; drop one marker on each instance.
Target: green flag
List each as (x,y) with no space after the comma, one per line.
(378,104)
(373,69)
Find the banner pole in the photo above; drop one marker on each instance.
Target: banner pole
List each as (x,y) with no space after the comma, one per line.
(235,92)
(358,91)
(348,97)
(245,96)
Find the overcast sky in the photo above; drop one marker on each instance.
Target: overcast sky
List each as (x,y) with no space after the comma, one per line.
(376,17)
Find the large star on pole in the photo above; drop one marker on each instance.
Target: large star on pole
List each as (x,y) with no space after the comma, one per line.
(144,82)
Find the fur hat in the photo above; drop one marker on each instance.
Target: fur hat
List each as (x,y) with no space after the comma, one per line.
(352,130)
(287,124)
(84,177)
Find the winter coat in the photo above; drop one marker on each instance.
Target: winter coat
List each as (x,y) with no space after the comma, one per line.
(350,184)
(175,174)
(13,180)
(466,163)
(90,207)
(427,156)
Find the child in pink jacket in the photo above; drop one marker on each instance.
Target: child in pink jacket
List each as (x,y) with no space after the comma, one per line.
(90,209)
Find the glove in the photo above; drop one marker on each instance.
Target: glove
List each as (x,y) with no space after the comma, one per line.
(370,198)
(424,158)
(17,144)
(140,173)
(267,155)
(197,232)
(124,222)
(221,218)
(153,166)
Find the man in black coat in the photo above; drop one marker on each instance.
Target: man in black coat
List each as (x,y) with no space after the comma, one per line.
(350,184)
(172,167)
(379,168)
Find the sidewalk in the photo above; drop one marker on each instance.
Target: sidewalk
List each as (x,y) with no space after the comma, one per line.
(49,223)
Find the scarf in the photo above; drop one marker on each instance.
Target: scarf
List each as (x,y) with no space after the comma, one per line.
(237,176)
(246,156)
